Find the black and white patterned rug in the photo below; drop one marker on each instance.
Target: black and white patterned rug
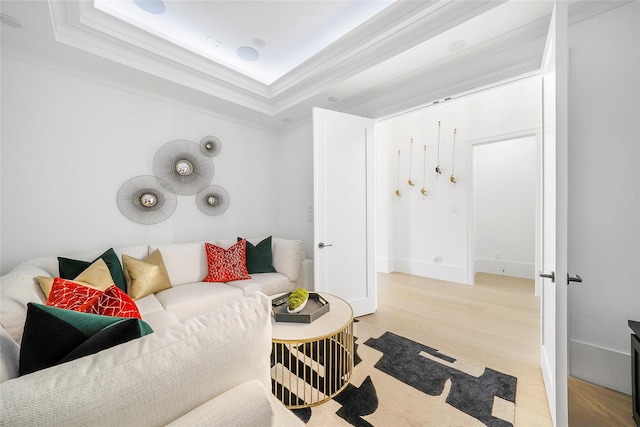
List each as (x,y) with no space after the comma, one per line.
(399,382)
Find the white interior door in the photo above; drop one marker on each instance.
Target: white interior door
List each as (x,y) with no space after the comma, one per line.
(344,205)
(553,356)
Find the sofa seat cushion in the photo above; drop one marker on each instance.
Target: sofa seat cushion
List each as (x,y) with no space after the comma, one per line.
(148,305)
(161,320)
(194,299)
(267,283)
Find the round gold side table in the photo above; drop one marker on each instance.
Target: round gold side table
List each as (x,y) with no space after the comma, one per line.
(313,362)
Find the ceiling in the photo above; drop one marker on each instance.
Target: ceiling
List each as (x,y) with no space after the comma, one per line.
(263,40)
(271,62)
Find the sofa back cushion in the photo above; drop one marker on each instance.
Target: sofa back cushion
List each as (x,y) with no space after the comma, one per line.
(287,255)
(9,356)
(16,291)
(185,262)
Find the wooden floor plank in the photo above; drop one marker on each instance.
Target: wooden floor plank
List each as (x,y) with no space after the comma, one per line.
(495,323)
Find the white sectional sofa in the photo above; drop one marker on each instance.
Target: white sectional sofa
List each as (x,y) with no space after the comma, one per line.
(206,363)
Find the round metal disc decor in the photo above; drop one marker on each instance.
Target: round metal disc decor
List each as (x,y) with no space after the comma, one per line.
(213,200)
(183,166)
(146,199)
(210,146)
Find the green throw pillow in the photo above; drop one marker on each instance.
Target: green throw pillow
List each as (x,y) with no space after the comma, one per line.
(259,257)
(71,268)
(54,335)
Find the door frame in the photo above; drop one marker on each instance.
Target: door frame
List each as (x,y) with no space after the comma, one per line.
(322,120)
(537,134)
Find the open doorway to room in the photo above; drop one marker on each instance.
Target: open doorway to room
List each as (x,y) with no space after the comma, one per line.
(503,200)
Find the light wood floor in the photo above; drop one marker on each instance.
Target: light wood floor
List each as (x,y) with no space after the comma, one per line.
(495,323)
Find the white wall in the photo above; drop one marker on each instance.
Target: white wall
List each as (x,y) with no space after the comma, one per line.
(504,206)
(295,184)
(430,235)
(68,144)
(604,194)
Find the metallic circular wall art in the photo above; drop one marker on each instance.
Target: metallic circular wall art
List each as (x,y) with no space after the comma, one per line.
(146,199)
(182,164)
(213,200)
(210,146)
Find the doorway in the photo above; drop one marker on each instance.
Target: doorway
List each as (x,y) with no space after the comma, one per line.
(504,198)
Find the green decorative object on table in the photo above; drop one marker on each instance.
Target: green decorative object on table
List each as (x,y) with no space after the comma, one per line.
(297,300)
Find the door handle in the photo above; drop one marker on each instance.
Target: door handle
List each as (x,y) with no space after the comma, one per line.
(322,245)
(551,276)
(573,279)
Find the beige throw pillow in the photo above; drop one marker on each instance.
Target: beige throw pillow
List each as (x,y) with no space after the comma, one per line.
(96,276)
(146,276)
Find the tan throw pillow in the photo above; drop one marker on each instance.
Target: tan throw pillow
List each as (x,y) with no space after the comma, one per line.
(146,276)
(96,276)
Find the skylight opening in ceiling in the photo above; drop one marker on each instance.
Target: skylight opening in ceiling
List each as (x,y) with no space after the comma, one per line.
(263,40)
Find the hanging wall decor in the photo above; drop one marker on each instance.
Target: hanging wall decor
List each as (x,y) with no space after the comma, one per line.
(409,181)
(398,187)
(146,199)
(438,171)
(182,164)
(210,146)
(452,178)
(213,200)
(423,191)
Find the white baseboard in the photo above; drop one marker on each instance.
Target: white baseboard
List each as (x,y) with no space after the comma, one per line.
(508,268)
(429,269)
(384,265)
(600,366)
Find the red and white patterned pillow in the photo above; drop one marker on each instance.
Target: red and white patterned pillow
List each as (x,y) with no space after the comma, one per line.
(114,302)
(72,295)
(75,296)
(225,265)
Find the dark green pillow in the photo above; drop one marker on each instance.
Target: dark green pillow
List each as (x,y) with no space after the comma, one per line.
(54,335)
(259,257)
(71,268)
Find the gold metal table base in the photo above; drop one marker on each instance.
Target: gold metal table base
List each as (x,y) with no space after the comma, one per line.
(309,372)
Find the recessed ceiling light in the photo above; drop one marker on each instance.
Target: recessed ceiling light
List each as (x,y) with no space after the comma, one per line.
(10,21)
(456,45)
(332,99)
(247,53)
(286,120)
(156,7)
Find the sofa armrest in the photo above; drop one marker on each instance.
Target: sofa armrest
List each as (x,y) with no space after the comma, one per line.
(152,380)
(248,404)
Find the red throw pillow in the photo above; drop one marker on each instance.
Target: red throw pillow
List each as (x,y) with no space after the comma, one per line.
(114,302)
(72,295)
(225,265)
(75,296)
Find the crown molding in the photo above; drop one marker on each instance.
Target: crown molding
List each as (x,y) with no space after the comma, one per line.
(79,24)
